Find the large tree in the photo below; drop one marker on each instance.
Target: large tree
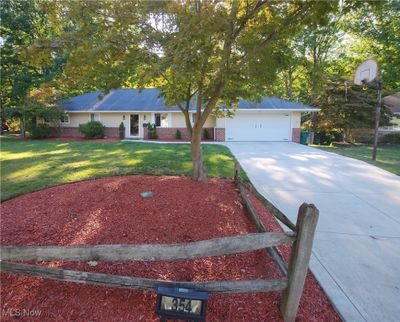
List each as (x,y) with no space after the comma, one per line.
(22,22)
(208,53)
(345,107)
(376,33)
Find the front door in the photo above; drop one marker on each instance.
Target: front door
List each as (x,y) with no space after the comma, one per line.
(134,128)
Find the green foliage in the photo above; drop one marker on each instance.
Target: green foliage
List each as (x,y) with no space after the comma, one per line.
(217,51)
(22,22)
(326,138)
(365,139)
(92,130)
(152,131)
(392,138)
(178,135)
(209,52)
(40,131)
(345,107)
(388,156)
(121,129)
(376,30)
(206,135)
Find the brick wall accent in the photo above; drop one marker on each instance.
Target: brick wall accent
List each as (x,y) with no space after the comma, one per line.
(112,132)
(220,134)
(73,132)
(170,132)
(70,132)
(296,135)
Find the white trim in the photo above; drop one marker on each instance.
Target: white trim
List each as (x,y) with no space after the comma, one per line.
(278,110)
(126,112)
(169,119)
(139,126)
(239,110)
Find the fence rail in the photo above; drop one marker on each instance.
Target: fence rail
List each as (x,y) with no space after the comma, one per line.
(302,234)
(141,283)
(146,252)
(274,211)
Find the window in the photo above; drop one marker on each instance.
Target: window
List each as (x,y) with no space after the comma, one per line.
(194,118)
(94,117)
(64,119)
(164,120)
(157,119)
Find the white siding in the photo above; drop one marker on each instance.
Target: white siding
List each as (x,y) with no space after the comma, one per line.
(77,118)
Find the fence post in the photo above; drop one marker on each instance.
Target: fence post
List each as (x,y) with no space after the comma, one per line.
(237,171)
(306,224)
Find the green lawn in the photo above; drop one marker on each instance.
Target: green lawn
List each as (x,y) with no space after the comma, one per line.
(388,157)
(31,165)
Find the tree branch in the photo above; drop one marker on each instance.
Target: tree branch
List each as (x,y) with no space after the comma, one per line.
(302,8)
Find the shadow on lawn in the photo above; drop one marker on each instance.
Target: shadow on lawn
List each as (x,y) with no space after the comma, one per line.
(33,165)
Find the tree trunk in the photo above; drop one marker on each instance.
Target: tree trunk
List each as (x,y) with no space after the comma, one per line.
(22,126)
(199,170)
(289,84)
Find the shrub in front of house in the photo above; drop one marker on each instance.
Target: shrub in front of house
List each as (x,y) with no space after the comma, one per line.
(392,138)
(326,137)
(121,129)
(365,139)
(206,135)
(92,130)
(152,131)
(178,135)
(40,131)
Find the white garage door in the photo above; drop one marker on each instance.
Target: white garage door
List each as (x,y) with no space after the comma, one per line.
(258,126)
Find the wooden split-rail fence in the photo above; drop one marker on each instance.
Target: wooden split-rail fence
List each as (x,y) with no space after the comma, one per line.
(301,234)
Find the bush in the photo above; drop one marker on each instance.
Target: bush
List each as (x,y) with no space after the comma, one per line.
(40,131)
(92,130)
(393,138)
(326,138)
(206,135)
(152,131)
(178,135)
(366,139)
(121,130)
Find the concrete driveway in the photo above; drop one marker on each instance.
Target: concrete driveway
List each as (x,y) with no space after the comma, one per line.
(356,253)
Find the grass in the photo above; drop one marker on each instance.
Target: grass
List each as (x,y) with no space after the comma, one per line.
(32,165)
(388,157)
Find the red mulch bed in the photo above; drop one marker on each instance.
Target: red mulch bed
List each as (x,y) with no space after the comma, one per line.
(111,211)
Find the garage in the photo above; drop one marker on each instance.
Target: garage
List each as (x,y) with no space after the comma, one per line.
(259,126)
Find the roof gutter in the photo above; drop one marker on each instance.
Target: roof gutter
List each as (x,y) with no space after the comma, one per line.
(241,110)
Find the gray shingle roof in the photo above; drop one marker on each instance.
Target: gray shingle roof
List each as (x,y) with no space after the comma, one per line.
(149,99)
(393,102)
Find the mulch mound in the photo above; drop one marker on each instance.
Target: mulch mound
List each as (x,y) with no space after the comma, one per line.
(111,211)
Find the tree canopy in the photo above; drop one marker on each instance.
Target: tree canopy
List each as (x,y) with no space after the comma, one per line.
(211,53)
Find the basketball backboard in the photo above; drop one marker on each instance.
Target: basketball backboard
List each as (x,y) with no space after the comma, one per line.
(366,72)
